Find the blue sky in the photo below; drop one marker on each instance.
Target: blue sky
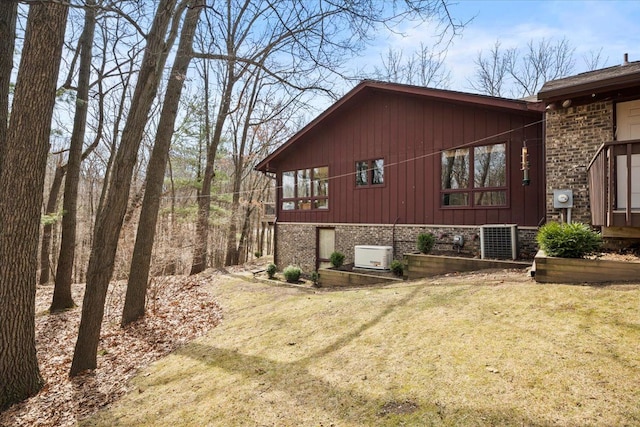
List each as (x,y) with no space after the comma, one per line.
(613,26)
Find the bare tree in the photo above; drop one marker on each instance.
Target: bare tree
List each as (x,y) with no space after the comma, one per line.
(21,195)
(311,41)
(542,61)
(257,124)
(62,298)
(141,261)
(424,67)
(522,73)
(8,17)
(47,229)
(111,212)
(491,72)
(594,60)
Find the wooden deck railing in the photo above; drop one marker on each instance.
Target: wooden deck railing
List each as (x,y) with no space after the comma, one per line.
(603,183)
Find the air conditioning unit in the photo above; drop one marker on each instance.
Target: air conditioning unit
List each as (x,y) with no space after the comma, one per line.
(499,241)
(375,257)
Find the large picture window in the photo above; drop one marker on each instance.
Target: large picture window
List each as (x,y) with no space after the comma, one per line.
(369,172)
(475,176)
(305,189)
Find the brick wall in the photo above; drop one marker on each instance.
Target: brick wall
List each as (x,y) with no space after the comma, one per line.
(573,136)
(296,243)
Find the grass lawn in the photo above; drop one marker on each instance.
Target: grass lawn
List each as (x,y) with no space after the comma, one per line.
(491,349)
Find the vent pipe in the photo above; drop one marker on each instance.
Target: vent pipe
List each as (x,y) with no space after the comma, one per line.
(626,59)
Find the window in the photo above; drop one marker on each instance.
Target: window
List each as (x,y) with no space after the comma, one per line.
(369,172)
(621,180)
(305,189)
(475,176)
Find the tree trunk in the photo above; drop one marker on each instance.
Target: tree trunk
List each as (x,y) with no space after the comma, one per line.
(8,16)
(21,195)
(52,205)
(62,298)
(232,249)
(245,236)
(141,262)
(199,263)
(111,213)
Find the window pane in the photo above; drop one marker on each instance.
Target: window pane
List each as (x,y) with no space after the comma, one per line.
(455,169)
(378,171)
(361,173)
(455,199)
(489,166)
(304,205)
(288,185)
(288,206)
(490,198)
(304,183)
(321,204)
(321,182)
(621,181)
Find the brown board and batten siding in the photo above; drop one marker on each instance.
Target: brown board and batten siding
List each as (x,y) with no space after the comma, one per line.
(409,131)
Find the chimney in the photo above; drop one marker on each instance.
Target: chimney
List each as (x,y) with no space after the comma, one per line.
(626,59)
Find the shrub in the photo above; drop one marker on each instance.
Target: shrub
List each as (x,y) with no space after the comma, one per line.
(426,242)
(292,273)
(573,240)
(397,267)
(257,254)
(337,259)
(271,270)
(315,277)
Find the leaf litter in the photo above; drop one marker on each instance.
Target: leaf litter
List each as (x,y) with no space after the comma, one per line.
(179,309)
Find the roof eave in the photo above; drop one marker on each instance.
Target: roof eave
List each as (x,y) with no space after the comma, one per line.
(599,86)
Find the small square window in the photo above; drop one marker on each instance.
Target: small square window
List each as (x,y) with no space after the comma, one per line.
(369,172)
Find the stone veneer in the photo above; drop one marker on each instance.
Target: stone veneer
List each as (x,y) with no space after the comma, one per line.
(296,242)
(573,135)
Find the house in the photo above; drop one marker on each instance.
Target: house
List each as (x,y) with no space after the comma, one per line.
(390,161)
(593,148)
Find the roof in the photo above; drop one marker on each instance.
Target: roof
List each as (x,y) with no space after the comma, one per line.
(521,106)
(606,79)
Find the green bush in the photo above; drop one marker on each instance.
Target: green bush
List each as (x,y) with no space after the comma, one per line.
(292,273)
(426,242)
(573,240)
(337,259)
(271,270)
(315,277)
(397,267)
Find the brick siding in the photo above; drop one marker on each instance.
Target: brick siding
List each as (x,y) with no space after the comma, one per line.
(296,242)
(573,135)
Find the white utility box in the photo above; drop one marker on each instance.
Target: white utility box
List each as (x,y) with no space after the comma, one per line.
(375,257)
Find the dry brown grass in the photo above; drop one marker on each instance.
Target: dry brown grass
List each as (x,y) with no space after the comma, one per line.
(489,349)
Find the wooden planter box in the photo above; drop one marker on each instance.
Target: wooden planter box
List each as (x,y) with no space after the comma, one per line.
(576,270)
(336,278)
(420,265)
